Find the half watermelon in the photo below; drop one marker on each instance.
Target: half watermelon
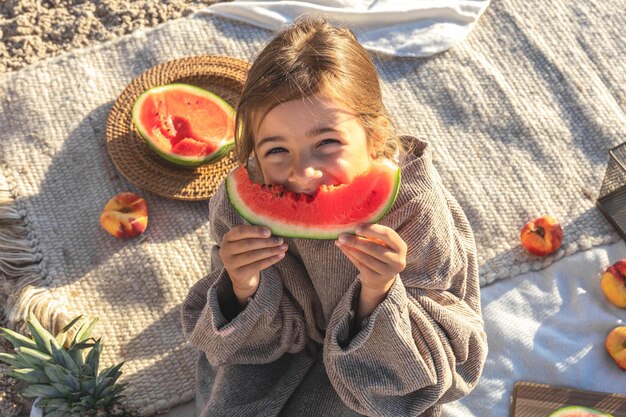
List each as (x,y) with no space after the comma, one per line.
(332,210)
(185,124)
(577,411)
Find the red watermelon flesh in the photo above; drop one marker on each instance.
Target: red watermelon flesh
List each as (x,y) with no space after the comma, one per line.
(332,210)
(185,124)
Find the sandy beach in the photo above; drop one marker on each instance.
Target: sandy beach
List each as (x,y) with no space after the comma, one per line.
(32,30)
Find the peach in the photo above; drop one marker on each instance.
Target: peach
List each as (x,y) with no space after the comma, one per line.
(125,216)
(541,236)
(616,346)
(613,284)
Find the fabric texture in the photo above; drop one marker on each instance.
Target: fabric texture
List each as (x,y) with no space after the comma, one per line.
(520,115)
(422,346)
(393,27)
(548,327)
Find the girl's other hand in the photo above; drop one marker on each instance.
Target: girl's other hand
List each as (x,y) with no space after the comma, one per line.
(246,251)
(379,254)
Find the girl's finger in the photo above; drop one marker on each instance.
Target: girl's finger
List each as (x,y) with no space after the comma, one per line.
(367,246)
(382,233)
(258,266)
(346,251)
(241,260)
(365,260)
(247,232)
(251,244)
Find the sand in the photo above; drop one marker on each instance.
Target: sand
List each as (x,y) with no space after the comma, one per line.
(33,30)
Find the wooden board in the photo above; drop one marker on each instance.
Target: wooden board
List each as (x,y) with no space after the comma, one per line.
(539,400)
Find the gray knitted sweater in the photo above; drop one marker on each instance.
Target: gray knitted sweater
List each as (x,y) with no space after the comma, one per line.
(294,349)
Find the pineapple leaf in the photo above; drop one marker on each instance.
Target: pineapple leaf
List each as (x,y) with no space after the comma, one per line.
(103,389)
(93,359)
(42,337)
(117,389)
(65,360)
(87,383)
(42,390)
(61,337)
(14,360)
(71,324)
(58,413)
(34,357)
(84,331)
(65,390)
(32,376)
(88,402)
(17,340)
(51,404)
(83,345)
(61,375)
(117,399)
(77,357)
(113,372)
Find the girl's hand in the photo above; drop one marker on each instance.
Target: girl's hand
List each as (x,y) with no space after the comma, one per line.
(245,252)
(379,254)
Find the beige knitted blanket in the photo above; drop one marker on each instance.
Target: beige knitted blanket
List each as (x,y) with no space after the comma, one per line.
(521,116)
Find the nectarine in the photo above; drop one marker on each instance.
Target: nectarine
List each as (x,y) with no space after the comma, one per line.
(125,216)
(541,236)
(616,346)
(613,284)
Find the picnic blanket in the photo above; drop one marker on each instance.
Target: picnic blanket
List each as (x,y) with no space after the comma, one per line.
(548,327)
(521,115)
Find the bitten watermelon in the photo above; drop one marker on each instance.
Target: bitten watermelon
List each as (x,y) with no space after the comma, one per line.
(332,210)
(185,124)
(576,411)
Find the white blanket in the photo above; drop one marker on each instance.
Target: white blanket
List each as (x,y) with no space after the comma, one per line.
(394,27)
(547,327)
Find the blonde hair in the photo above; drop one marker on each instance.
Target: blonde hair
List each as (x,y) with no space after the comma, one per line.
(312,56)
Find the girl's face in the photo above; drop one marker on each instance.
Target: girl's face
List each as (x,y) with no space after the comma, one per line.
(308,142)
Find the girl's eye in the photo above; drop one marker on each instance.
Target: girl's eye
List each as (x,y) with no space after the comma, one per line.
(275,150)
(327,142)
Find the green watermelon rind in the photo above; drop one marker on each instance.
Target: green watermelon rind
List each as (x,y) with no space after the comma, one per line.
(280,229)
(222,150)
(567,411)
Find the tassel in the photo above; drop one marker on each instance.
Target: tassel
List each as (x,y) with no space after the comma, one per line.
(22,274)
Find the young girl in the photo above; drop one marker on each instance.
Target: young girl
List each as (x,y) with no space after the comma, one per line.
(386,323)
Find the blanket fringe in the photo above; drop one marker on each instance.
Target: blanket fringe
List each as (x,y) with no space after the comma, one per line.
(23,283)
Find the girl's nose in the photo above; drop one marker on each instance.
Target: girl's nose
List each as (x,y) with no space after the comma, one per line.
(304,178)
(312,173)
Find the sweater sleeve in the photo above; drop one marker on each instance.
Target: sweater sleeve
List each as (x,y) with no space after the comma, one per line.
(270,325)
(425,344)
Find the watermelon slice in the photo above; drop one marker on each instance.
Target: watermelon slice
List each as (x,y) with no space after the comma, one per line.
(332,210)
(184,124)
(576,411)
